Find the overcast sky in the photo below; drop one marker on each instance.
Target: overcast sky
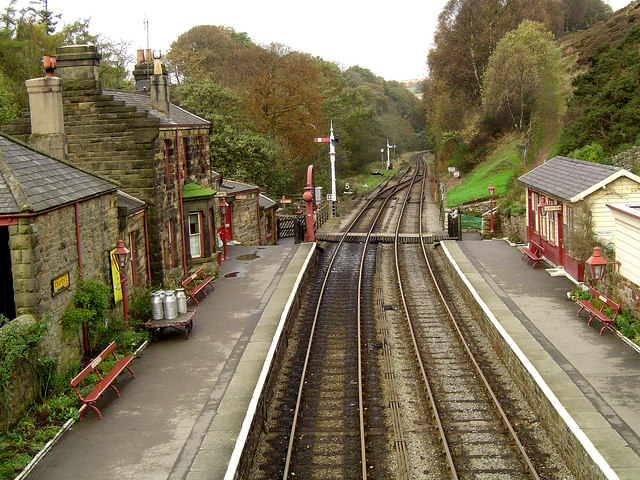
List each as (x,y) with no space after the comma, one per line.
(390,38)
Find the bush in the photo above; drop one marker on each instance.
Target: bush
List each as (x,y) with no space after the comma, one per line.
(590,153)
(89,306)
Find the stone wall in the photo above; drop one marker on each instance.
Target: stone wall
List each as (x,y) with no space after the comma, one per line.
(245,219)
(22,382)
(267,226)
(44,247)
(165,206)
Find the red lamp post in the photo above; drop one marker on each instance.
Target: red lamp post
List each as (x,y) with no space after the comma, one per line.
(598,263)
(491,189)
(122,258)
(223,210)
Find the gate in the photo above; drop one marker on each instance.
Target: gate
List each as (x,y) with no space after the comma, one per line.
(454,226)
(290,226)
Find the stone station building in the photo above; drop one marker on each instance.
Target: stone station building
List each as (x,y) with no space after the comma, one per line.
(148,146)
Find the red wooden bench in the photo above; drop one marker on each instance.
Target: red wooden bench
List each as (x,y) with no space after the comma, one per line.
(195,283)
(533,252)
(594,312)
(104,382)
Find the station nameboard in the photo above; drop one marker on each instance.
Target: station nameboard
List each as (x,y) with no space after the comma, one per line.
(59,284)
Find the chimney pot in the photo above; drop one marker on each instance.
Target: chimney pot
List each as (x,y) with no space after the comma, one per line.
(49,65)
(140,56)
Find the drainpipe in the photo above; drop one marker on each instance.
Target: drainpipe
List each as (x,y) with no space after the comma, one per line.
(146,244)
(259,227)
(179,174)
(78,239)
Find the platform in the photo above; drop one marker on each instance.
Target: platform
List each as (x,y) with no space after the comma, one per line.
(181,415)
(591,382)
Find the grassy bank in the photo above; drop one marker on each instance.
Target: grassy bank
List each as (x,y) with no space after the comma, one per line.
(498,168)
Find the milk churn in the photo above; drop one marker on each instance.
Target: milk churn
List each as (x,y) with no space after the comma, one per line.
(157,307)
(182,300)
(170,305)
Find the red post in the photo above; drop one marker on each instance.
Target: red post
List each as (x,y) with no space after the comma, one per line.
(308,197)
(123,281)
(492,189)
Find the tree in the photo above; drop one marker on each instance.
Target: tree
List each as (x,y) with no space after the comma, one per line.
(26,36)
(523,69)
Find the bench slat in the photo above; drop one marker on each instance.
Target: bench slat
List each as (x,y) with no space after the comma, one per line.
(104,383)
(598,313)
(108,379)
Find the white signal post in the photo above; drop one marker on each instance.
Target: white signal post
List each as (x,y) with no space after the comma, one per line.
(389,147)
(332,159)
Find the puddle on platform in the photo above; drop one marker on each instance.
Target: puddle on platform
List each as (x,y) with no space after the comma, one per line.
(231,275)
(248,256)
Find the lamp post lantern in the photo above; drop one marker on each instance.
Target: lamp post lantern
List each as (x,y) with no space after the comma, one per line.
(223,210)
(491,189)
(541,206)
(122,258)
(598,263)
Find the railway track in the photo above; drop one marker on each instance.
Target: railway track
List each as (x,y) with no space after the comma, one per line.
(476,436)
(350,402)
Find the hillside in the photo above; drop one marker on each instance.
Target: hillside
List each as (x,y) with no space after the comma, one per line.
(585,43)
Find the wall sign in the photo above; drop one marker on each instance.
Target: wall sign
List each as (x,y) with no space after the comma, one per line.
(60,284)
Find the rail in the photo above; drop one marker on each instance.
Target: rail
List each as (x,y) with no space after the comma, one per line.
(451,465)
(385,192)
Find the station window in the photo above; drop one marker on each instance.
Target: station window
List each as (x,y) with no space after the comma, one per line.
(195,234)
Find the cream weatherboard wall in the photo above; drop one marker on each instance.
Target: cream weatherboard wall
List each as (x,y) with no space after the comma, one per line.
(622,189)
(627,239)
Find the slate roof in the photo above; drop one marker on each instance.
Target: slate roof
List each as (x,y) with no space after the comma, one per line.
(570,179)
(131,203)
(232,187)
(179,116)
(266,202)
(32,182)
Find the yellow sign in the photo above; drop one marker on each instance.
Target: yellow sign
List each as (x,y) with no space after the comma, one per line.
(60,283)
(115,277)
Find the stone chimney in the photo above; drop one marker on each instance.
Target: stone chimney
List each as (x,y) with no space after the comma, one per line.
(160,95)
(151,78)
(47,117)
(78,67)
